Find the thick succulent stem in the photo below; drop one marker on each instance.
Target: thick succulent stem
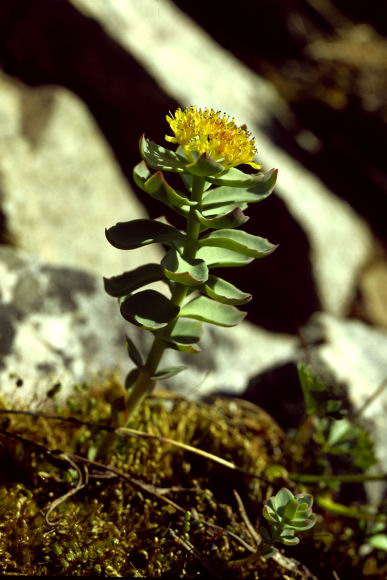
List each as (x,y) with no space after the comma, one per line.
(144,384)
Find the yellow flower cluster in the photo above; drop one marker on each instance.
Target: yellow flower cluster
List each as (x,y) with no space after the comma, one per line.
(214,133)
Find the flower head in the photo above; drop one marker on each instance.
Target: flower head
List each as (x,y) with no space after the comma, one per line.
(214,133)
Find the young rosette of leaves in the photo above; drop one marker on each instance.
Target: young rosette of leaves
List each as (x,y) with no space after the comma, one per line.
(287,514)
(213,197)
(344,437)
(337,434)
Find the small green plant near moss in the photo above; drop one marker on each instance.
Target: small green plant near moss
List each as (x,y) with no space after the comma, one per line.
(335,432)
(286,514)
(209,147)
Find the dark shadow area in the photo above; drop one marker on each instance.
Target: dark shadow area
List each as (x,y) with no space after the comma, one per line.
(279,306)
(329,96)
(4,238)
(278,391)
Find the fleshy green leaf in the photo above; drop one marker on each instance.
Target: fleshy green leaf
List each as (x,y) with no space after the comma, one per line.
(149,309)
(270,515)
(378,541)
(280,500)
(167,373)
(207,310)
(133,352)
(305,499)
(261,182)
(131,378)
(141,232)
(130,281)
(204,166)
(303,525)
(290,540)
(190,272)
(223,291)
(157,187)
(290,509)
(288,514)
(232,219)
(252,194)
(240,242)
(141,174)
(342,432)
(184,336)
(222,258)
(159,158)
(345,437)
(211,212)
(183,347)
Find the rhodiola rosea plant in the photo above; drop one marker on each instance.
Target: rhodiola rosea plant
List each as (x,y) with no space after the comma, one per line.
(213,198)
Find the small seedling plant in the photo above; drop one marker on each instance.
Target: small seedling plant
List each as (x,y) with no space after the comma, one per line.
(285,515)
(334,430)
(213,197)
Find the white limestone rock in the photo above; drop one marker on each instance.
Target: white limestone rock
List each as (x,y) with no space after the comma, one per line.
(57,324)
(356,356)
(60,184)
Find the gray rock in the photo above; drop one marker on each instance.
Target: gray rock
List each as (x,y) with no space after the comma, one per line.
(356,353)
(60,184)
(58,325)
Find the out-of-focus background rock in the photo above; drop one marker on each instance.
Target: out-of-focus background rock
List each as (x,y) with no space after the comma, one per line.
(58,326)
(60,183)
(80,81)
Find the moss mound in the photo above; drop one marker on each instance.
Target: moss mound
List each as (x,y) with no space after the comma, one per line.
(155,509)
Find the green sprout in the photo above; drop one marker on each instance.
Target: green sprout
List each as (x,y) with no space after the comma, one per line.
(209,147)
(286,515)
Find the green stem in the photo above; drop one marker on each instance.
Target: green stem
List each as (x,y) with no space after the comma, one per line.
(345,478)
(144,384)
(347,511)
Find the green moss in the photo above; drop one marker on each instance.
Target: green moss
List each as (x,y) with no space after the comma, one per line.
(111,527)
